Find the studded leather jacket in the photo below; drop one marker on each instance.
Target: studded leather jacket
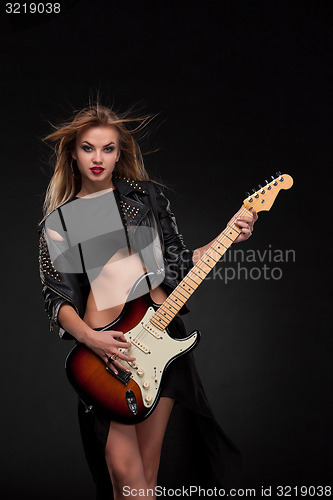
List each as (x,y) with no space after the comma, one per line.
(140,203)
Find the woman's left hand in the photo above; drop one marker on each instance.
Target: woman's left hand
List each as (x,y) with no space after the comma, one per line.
(245,224)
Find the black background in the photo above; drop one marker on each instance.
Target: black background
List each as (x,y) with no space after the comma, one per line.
(243,90)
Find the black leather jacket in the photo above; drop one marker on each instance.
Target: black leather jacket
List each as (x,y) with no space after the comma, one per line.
(141,203)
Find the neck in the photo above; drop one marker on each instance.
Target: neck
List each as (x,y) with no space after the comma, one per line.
(89,188)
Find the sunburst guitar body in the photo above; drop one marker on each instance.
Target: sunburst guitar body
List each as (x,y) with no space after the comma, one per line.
(128,397)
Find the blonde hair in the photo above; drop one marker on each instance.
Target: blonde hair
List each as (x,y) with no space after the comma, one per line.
(66,179)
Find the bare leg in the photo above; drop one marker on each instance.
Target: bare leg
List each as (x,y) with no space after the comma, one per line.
(132,453)
(150,438)
(123,459)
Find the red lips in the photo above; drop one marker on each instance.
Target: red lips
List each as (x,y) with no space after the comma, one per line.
(97,170)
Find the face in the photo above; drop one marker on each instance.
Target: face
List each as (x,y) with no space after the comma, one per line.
(96,153)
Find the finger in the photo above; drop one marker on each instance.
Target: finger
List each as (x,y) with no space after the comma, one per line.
(125,357)
(120,366)
(111,366)
(242,224)
(244,219)
(120,354)
(115,363)
(115,333)
(123,338)
(122,344)
(246,231)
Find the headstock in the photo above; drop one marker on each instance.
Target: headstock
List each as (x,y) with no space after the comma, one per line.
(264,198)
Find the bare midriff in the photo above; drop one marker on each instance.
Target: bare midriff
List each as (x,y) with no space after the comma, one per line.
(109,291)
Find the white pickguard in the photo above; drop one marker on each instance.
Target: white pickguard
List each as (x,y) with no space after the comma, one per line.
(153,349)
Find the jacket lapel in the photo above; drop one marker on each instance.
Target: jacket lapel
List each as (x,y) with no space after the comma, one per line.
(133,209)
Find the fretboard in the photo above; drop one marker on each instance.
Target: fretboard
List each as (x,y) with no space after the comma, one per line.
(180,295)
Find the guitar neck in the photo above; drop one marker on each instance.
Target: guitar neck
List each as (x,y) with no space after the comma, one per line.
(180,295)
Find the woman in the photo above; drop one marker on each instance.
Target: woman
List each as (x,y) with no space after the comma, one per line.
(98,158)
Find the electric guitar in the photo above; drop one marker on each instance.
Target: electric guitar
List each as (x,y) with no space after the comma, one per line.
(130,397)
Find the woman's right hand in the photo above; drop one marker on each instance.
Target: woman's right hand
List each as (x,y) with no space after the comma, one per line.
(107,344)
(104,343)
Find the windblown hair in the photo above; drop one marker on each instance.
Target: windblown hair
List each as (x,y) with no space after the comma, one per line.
(66,179)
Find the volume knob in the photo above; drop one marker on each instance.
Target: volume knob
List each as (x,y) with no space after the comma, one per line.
(148,398)
(140,372)
(146,384)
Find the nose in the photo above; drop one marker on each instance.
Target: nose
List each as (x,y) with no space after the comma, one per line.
(97,158)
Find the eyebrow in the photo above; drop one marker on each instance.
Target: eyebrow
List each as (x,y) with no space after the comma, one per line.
(103,146)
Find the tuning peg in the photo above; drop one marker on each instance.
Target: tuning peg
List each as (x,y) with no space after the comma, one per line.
(278,173)
(262,191)
(274,181)
(267,185)
(254,190)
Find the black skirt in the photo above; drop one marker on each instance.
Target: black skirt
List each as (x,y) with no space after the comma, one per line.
(195,451)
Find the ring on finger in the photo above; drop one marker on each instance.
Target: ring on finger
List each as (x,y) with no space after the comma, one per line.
(111,358)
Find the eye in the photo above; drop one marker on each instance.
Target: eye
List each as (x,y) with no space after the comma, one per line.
(109,149)
(86,148)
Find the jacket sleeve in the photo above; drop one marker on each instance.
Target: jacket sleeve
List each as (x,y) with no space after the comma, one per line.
(52,304)
(175,251)
(54,293)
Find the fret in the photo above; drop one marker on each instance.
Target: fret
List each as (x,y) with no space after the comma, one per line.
(198,272)
(158,322)
(205,268)
(217,252)
(233,227)
(191,277)
(163,313)
(174,300)
(179,291)
(185,289)
(211,258)
(167,305)
(187,285)
(206,258)
(214,255)
(225,247)
(219,248)
(170,307)
(226,242)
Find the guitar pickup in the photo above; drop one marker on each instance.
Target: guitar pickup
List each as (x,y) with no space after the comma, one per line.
(139,345)
(153,330)
(122,375)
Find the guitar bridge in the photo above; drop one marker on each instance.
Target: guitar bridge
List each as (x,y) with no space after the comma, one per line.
(122,375)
